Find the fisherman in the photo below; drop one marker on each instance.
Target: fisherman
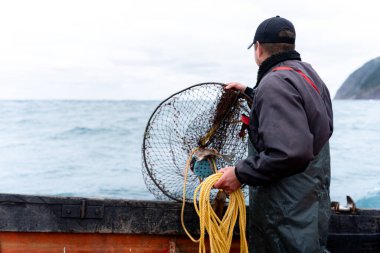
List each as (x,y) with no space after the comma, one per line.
(288,166)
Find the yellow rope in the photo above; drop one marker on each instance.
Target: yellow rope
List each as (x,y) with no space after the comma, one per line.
(220,231)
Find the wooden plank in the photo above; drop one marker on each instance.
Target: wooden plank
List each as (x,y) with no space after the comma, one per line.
(21,242)
(45,214)
(40,217)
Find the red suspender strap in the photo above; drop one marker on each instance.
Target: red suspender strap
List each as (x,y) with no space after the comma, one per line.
(299,72)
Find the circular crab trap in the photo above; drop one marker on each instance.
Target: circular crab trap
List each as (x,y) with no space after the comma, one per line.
(202,124)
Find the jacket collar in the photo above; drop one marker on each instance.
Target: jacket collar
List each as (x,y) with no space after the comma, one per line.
(274,60)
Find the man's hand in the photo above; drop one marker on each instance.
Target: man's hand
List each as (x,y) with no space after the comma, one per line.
(228,182)
(236,86)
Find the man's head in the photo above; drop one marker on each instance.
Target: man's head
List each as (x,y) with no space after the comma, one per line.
(273,36)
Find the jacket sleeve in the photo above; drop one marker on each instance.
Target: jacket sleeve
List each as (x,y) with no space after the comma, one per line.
(249,92)
(284,131)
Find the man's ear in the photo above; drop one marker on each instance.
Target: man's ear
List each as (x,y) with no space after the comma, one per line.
(259,50)
(261,54)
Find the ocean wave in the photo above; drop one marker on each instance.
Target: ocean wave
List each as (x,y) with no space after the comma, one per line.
(371,201)
(90,132)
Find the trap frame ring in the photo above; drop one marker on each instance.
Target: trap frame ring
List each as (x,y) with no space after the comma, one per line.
(148,168)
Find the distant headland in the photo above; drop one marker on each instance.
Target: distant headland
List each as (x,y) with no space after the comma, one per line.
(363,83)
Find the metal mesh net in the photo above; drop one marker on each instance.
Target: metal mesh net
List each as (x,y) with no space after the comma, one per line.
(203,115)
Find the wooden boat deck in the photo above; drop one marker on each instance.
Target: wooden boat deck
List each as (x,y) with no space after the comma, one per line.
(62,224)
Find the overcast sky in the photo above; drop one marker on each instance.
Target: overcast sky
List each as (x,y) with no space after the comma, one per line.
(149,49)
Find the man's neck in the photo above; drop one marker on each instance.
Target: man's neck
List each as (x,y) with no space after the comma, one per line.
(273,60)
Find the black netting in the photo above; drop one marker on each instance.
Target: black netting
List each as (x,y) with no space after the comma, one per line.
(204,115)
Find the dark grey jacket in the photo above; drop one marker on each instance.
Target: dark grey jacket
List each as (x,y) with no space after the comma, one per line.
(289,168)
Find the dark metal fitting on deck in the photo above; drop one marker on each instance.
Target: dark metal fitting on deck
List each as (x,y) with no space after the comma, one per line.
(350,207)
(83,211)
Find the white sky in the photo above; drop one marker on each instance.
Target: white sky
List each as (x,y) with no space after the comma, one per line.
(146,49)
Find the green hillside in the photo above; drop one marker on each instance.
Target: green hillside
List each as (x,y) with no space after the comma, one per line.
(364,83)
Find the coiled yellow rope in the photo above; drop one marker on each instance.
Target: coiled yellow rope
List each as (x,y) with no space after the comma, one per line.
(220,231)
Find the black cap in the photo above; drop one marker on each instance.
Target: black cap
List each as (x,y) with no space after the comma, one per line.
(268,30)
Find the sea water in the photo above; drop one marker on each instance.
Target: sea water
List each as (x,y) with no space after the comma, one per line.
(93,149)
